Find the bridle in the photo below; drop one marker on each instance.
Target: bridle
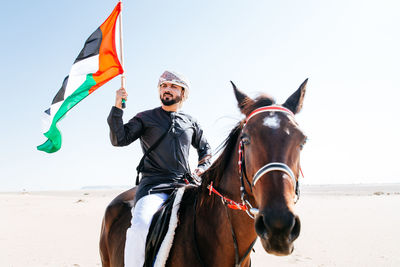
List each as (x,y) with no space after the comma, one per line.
(246,205)
(269,167)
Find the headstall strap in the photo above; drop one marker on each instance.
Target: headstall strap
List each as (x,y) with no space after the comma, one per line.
(240,155)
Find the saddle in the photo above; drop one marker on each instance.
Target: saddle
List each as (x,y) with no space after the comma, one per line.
(162,230)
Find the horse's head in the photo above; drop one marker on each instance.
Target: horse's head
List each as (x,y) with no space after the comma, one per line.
(270,157)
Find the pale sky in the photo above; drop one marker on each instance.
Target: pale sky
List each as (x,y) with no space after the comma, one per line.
(349,50)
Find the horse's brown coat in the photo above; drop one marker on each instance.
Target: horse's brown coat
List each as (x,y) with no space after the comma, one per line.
(276,225)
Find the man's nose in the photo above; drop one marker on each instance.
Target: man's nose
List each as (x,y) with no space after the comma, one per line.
(167,89)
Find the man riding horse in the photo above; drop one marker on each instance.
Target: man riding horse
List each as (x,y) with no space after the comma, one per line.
(165,135)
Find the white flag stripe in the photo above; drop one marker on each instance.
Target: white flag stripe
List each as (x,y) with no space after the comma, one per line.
(85,66)
(78,73)
(77,77)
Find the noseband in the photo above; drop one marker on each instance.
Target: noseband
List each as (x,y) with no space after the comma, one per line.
(272,166)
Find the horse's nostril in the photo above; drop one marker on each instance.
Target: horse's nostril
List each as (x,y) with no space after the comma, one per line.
(296,229)
(268,226)
(261,229)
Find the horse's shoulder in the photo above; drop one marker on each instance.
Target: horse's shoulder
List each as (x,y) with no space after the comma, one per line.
(125,197)
(119,205)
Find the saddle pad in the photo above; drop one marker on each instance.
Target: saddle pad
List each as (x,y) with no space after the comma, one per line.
(162,231)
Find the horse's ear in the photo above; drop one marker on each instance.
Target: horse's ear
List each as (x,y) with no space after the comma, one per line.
(295,102)
(242,99)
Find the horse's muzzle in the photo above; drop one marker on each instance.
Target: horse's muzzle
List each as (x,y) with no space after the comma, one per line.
(277,231)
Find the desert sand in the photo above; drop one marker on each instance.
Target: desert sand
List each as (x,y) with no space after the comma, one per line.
(346,225)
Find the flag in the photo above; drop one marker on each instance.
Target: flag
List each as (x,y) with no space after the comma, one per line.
(96,64)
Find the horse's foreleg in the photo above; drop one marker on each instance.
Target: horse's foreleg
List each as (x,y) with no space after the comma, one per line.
(103,245)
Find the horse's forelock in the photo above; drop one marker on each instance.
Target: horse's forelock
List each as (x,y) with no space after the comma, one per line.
(261,101)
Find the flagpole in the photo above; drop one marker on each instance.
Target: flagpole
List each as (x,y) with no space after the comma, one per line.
(121,49)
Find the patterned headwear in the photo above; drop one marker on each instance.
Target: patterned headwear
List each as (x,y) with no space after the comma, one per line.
(177,79)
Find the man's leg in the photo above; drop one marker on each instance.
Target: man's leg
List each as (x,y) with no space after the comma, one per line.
(136,235)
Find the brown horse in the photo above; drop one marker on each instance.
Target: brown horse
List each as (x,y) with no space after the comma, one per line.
(267,146)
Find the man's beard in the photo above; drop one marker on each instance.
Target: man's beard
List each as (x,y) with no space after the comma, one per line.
(170,101)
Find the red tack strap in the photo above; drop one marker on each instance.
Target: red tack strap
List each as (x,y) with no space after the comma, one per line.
(237,206)
(231,204)
(234,207)
(210,189)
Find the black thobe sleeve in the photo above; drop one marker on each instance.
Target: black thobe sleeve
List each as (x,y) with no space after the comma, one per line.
(123,134)
(203,148)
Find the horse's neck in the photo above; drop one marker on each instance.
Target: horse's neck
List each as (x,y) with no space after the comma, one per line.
(230,184)
(224,219)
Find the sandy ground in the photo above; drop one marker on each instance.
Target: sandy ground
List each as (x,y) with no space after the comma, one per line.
(341,226)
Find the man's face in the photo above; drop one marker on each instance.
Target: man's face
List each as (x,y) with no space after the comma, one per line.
(170,93)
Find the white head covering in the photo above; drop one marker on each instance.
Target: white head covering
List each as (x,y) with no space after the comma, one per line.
(177,79)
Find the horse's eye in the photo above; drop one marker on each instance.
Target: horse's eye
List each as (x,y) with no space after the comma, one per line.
(302,144)
(246,140)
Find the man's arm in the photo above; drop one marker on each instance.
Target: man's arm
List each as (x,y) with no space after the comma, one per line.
(123,134)
(203,149)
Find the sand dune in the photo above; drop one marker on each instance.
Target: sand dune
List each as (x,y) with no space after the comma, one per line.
(341,226)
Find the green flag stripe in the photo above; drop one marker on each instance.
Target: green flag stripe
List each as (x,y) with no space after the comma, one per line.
(53,143)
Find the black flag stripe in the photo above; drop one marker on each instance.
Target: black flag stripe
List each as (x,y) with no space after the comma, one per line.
(60,95)
(91,46)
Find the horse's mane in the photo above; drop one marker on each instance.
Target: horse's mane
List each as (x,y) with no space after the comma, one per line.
(216,171)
